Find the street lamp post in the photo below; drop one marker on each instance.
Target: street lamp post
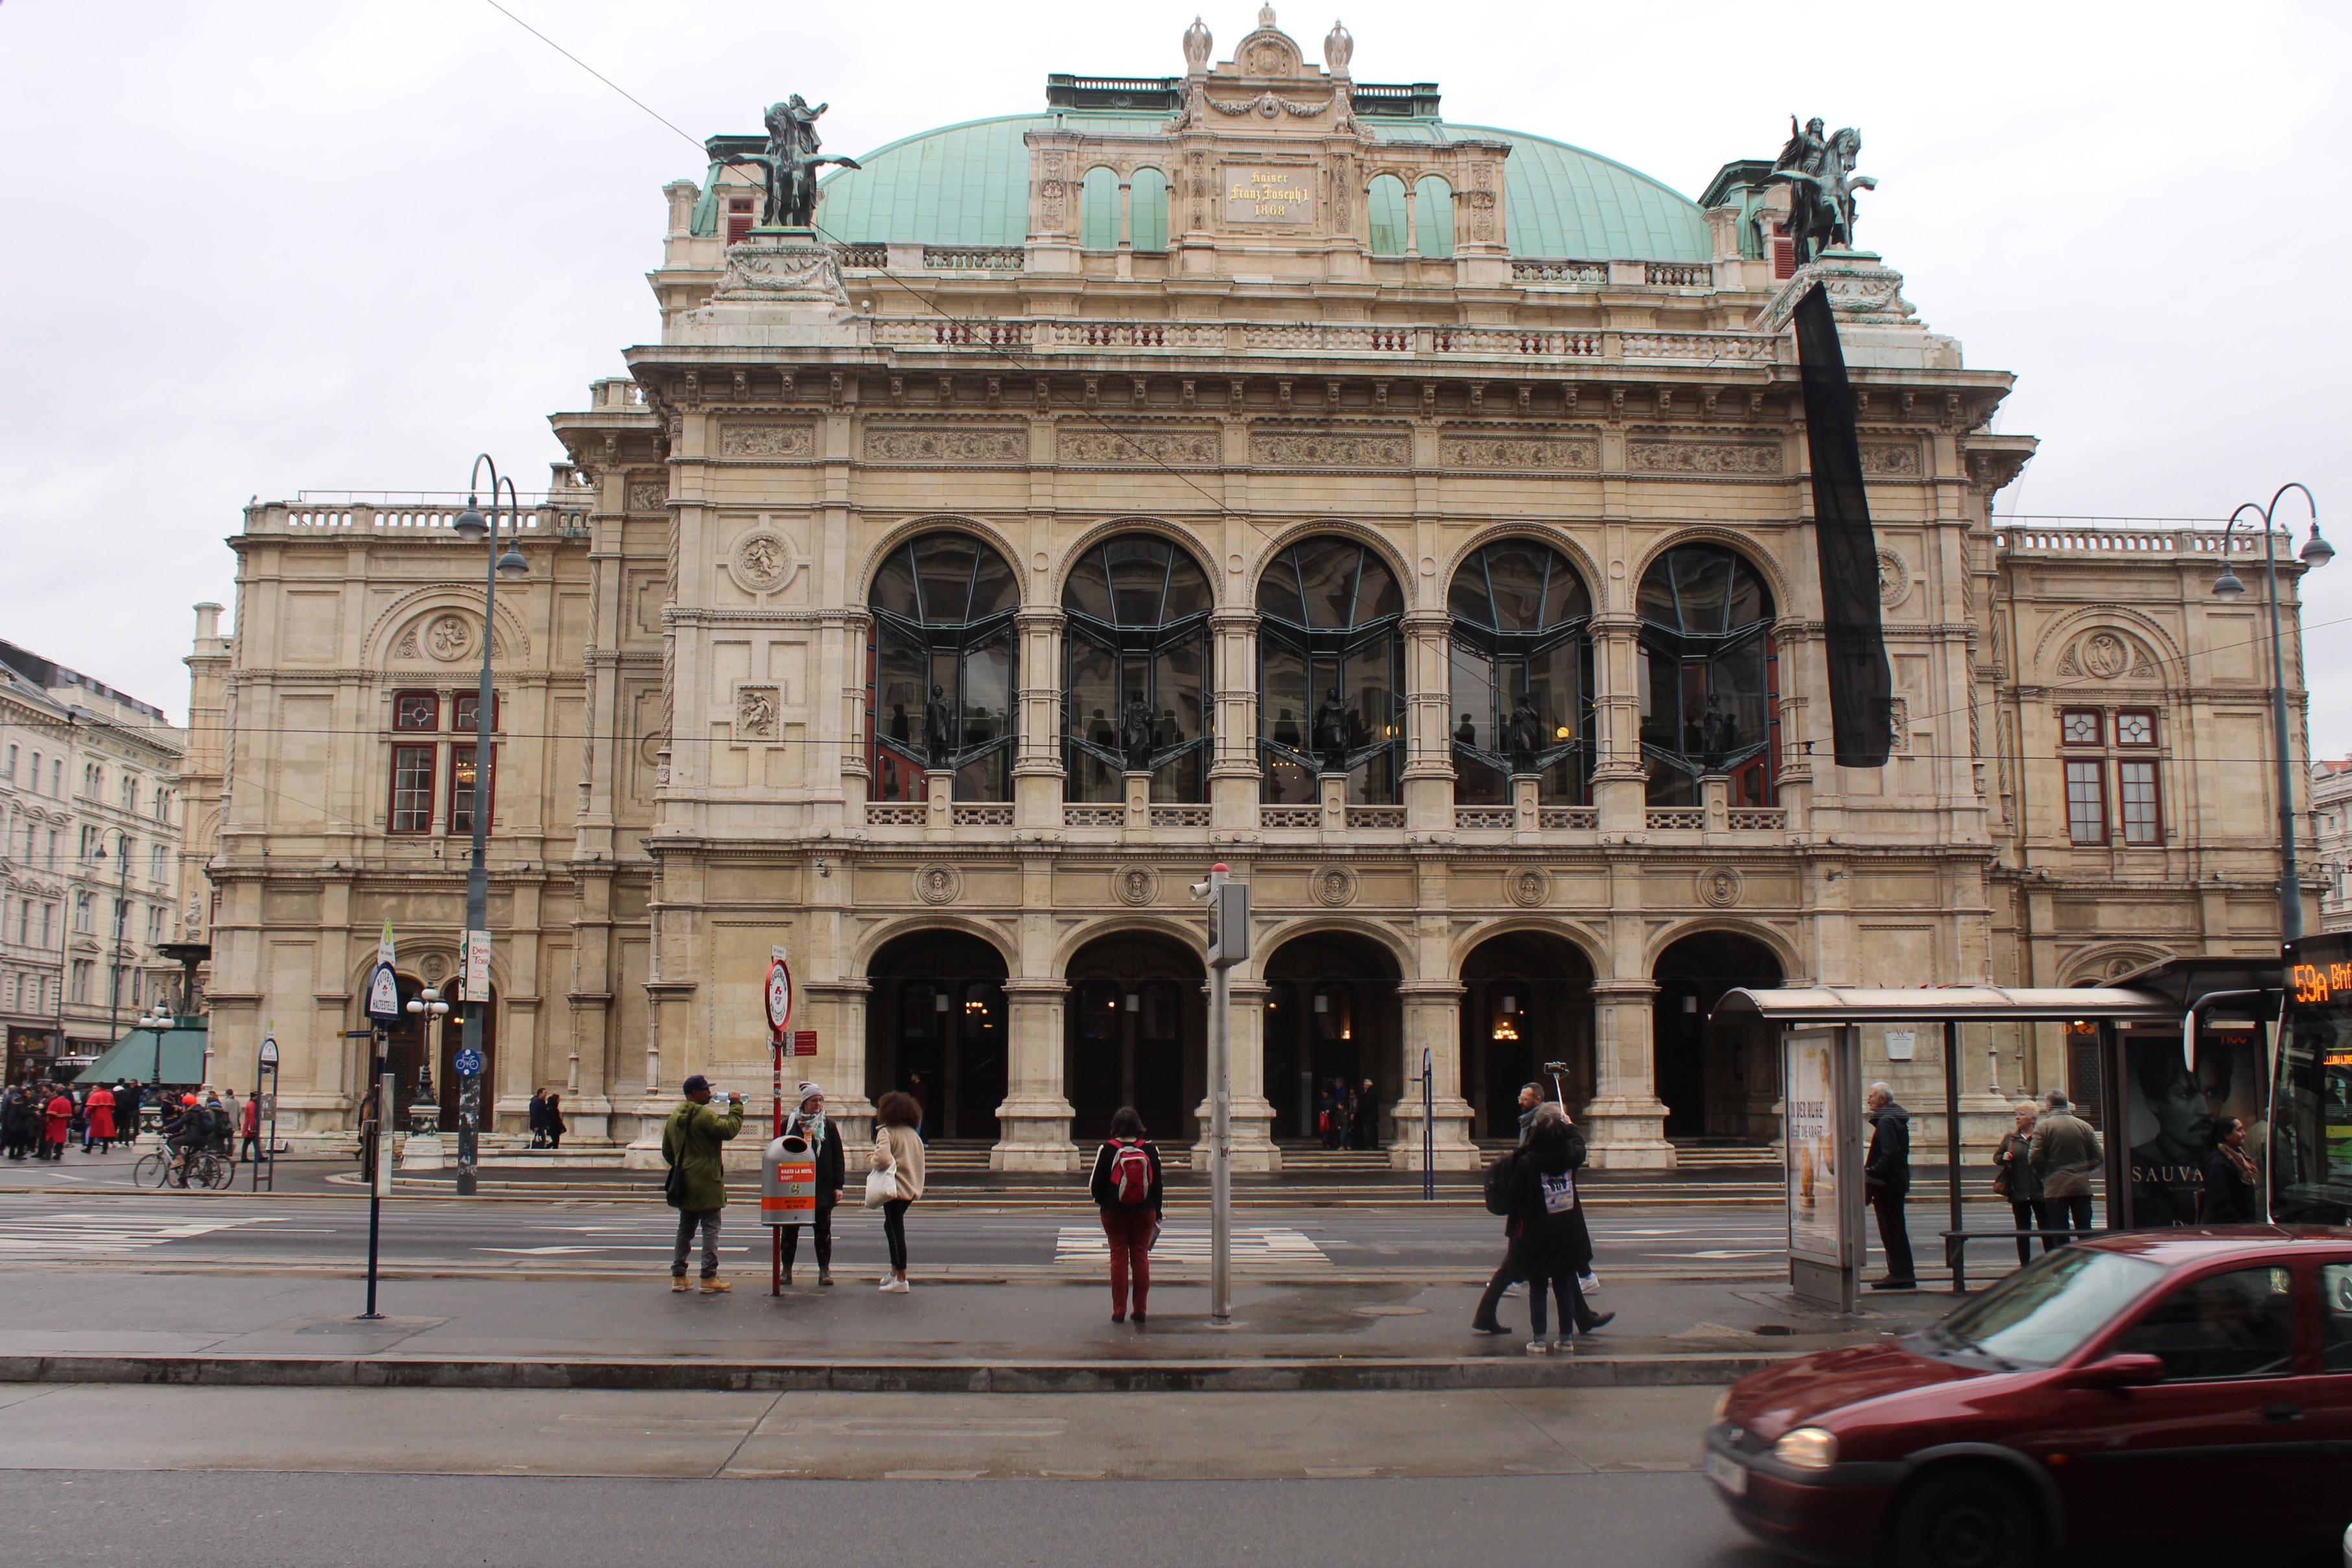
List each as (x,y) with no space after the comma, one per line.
(2316,552)
(121,914)
(473,528)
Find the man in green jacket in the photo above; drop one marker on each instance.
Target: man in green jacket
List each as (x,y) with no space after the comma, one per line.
(691,1140)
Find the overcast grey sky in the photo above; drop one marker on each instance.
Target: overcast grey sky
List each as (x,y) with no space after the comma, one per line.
(259,245)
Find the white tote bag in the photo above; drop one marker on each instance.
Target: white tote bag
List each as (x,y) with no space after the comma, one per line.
(882,1186)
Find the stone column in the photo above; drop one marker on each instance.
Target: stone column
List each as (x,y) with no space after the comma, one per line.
(838,1011)
(1429,738)
(1033,1122)
(1251,1114)
(1432,1022)
(1037,756)
(1234,766)
(1619,785)
(1625,1124)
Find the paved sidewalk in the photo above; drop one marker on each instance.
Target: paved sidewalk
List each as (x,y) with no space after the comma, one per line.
(93,1325)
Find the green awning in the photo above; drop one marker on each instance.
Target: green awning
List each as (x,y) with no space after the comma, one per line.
(178,1058)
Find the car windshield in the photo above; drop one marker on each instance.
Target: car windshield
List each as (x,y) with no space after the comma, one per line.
(2043,1314)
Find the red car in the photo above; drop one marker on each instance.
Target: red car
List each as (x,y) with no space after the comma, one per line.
(2152,1385)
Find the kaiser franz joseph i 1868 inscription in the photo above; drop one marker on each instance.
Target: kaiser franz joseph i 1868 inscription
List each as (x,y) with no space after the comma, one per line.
(1259,194)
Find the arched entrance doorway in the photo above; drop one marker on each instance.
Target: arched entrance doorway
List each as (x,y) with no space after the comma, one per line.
(1709,1078)
(1137,1034)
(1332,1017)
(935,1029)
(405,1052)
(1526,999)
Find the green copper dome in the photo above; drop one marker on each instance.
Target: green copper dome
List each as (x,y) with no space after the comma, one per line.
(968,185)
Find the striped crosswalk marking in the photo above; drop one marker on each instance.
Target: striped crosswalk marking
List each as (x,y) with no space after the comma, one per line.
(70,1235)
(1190,1244)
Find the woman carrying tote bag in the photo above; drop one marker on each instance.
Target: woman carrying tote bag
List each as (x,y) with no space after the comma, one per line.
(895,1179)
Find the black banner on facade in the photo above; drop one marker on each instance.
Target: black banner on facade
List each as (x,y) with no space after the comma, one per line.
(1861,688)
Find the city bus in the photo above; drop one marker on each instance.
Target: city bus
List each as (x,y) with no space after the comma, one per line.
(2310,1143)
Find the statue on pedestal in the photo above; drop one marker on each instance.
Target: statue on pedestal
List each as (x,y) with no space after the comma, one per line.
(1135,733)
(1331,732)
(1523,735)
(938,732)
(1819,172)
(789,163)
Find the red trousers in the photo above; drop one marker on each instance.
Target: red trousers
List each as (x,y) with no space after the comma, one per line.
(1129,1230)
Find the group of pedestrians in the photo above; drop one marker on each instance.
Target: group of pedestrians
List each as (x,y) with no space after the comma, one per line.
(693,1141)
(1348,1116)
(547,1123)
(2044,1169)
(1547,1244)
(38,1119)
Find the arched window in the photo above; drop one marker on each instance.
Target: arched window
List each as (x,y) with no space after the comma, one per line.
(1148,209)
(1709,678)
(1433,216)
(1098,209)
(1135,680)
(1384,205)
(943,624)
(1521,615)
(1331,694)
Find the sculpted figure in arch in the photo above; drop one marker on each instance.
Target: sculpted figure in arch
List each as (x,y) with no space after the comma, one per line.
(1135,732)
(938,735)
(1523,736)
(1331,732)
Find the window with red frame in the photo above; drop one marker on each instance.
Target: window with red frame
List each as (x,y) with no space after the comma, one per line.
(738,219)
(2139,805)
(412,789)
(461,788)
(467,707)
(417,710)
(2136,726)
(2086,803)
(2081,726)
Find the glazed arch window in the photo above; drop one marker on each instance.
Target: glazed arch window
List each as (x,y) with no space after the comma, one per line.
(943,607)
(1136,666)
(1098,209)
(1384,207)
(1709,678)
(1331,694)
(2082,726)
(416,711)
(1433,217)
(1520,634)
(1148,210)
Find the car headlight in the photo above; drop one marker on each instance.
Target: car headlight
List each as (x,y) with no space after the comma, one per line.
(1722,1406)
(1807,1449)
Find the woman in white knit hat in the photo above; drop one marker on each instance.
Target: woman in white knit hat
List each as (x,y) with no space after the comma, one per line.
(824,1135)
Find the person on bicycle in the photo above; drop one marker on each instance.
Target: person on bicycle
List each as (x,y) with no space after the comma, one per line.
(188,1127)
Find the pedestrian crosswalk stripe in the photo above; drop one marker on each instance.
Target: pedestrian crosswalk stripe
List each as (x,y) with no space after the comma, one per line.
(61,1235)
(1190,1244)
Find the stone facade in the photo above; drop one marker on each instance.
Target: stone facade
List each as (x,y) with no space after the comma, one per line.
(699,758)
(83,770)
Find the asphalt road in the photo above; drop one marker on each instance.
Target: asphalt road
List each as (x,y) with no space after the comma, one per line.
(196,1520)
(166,1228)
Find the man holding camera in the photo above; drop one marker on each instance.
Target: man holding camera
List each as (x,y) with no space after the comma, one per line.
(697,1184)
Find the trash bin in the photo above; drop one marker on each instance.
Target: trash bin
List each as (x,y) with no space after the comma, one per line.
(788,1182)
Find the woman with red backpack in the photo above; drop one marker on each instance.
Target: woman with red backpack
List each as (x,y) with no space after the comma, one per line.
(1126,1189)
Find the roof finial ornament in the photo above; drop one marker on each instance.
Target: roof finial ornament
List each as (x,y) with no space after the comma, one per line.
(1197,44)
(1338,48)
(1265,17)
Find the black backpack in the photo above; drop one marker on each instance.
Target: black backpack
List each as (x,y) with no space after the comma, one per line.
(1498,1182)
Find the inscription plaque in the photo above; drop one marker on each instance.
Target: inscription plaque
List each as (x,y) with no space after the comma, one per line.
(1267,193)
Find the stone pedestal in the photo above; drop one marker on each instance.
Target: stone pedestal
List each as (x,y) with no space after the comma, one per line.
(939,803)
(1527,805)
(781,289)
(1138,797)
(1332,794)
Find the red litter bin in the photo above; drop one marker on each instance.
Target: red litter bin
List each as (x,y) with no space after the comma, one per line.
(788,1182)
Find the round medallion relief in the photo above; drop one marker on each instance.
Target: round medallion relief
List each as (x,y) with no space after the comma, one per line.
(762,564)
(1528,887)
(1894,579)
(432,969)
(1136,886)
(939,883)
(448,638)
(2104,655)
(1334,886)
(1720,886)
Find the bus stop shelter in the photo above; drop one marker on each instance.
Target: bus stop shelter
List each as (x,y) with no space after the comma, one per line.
(1822,1125)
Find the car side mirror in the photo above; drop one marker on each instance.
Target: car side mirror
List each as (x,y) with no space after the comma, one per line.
(2131,1370)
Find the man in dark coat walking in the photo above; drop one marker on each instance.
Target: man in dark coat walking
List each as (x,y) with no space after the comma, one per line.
(1886,1177)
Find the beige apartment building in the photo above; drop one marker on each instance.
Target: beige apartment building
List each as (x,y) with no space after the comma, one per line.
(1217,468)
(90,824)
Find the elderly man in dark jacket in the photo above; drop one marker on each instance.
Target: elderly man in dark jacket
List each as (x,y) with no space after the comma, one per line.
(1887,1178)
